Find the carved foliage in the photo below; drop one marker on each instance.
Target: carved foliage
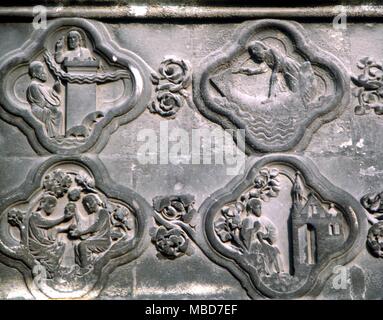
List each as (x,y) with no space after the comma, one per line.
(282,227)
(272,82)
(69,231)
(68,83)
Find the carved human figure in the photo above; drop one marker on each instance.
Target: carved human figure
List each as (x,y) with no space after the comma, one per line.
(259,236)
(42,233)
(297,77)
(45,102)
(76,48)
(96,238)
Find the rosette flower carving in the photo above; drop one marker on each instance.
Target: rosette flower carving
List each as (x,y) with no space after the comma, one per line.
(370,87)
(373,203)
(374,239)
(174,76)
(173,214)
(171,243)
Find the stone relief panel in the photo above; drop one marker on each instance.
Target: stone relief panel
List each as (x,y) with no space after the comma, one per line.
(65,234)
(274,83)
(282,227)
(72,85)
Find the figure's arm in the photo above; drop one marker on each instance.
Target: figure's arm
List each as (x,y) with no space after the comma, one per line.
(34,95)
(57,86)
(48,223)
(272,233)
(274,74)
(103,215)
(245,233)
(273,80)
(59,52)
(252,71)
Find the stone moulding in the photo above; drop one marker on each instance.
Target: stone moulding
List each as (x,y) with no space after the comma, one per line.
(336,222)
(183,10)
(56,260)
(105,63)
(316,93)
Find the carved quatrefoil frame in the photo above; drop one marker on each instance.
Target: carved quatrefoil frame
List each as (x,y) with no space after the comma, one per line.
(221,113)
(323,189)
(122,112)
(123,253)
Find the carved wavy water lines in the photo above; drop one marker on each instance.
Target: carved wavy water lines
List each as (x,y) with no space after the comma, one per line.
(97,78)
(266,127)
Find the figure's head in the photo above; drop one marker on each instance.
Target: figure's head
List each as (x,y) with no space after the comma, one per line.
(70,208)
(74,40)
(48,203)
(37,71)
(91,203)
(254,206)
(258,51)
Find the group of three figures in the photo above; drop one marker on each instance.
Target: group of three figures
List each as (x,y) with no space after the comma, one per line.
(45,101)
(42,233)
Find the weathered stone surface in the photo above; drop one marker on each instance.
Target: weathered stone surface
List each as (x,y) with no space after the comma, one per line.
(106,193)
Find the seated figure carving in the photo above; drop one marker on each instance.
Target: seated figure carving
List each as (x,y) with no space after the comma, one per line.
(42,234)
(96,239)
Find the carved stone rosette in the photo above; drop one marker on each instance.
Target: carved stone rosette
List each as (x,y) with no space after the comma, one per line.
(274,83)
(70,227)
(373,203)
(282,227)
(173,214)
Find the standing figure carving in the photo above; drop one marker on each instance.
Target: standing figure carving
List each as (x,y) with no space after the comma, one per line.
(45,102)
(260,235)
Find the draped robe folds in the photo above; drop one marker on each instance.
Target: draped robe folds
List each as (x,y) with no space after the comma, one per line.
(78,54)
(45,103)
(43,244)
(264,251)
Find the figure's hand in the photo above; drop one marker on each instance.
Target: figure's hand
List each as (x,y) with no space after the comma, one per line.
(256,225)
(68,215)
(60,44)
(57,86)
(245,71)
(75,233)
